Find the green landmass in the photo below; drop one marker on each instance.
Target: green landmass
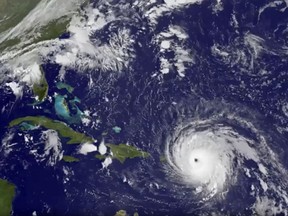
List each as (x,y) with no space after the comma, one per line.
(122,152)
(53,29)
(50,31)
(9,43)
(70,159)
(61,85)
(100,157)
(124,213)
(40,89)
(64,130)
(13,11)
(7,194)
(121,213)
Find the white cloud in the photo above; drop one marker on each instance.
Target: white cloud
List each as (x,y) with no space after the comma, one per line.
(45,12)
(179,3)
(79,52)
(102,148)
(53,147)
(87,148)
(106,162)
(173,39)
(16,89)
(168,6)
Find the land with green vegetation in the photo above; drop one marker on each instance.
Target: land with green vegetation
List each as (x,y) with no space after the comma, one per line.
(70,159)
(9,43)
(53,29)
(7,194)
(48,32)
(40,89)
(16,11)
(124,213)
(122,152)
(61,85)
(65,131)
(121,213)
(100,157)
(13,11)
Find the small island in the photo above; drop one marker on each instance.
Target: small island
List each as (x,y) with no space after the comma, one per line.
(70,159)
(124,213)
(117,129)
(121,213)
(7,194)
(61,106)
(100,157)
(61,85)
(63,130)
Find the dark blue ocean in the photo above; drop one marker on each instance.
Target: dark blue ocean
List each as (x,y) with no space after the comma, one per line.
(144,108)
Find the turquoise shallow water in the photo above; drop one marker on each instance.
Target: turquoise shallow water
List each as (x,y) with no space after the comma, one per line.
(60,107)
(63,109)
(245,90)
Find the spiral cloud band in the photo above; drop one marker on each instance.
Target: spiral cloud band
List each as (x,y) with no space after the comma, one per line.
(211,154)
(203,158)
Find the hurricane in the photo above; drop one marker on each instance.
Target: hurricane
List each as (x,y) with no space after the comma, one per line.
(204,158)
(215,150)
(147,107)
(209,154)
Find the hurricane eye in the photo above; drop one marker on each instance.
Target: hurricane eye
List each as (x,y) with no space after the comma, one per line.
(205,159)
